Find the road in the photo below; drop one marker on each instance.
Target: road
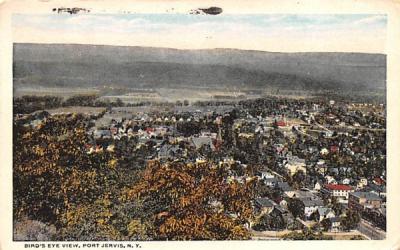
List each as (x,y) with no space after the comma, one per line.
(372,232)
(278,235)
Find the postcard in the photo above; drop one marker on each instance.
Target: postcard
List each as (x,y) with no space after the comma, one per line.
(175,124)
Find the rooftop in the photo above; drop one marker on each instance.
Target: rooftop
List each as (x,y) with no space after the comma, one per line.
(338,187)
(367,195)
(264,202)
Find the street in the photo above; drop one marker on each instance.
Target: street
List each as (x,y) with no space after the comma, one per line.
(371,231)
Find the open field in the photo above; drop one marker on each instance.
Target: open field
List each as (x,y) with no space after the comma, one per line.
(60,92)
(77,109)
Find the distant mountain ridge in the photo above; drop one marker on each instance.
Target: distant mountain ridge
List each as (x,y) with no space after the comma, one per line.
(97,65)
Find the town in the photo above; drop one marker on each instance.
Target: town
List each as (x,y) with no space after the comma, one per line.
(316,166)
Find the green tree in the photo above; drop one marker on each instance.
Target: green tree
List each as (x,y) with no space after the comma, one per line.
(296,207)
(351,220)
(306,235)
(326,224)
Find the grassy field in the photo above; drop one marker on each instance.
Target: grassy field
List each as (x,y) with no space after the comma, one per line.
(77,109)
(60,92)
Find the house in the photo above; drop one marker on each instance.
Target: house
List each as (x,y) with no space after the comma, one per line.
(311,205)
(324,151)
(321,167)
(333,171)
(362,200)
(271,182)
(303,193)
(168,151)
(102,133)
(286,189)
(324,213)
(317,186)
(346,181)
(36,123)
(334,149)
(114,130)
(198,142)
(264,174)
(362,182)
(337,190)
(379,190)
(378,181)
(335,224)
(264,205)
(279,211)
(330,180)
(295,164)
(283,203)
(279,147)
(110,148)
(281,123)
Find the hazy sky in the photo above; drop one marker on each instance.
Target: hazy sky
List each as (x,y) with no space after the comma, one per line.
(285,33)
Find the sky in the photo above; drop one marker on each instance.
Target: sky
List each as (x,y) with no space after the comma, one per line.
(266,32)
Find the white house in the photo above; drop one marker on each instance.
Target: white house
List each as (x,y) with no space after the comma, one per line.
(346,181)
(325,213)
(317,186)
(311,205)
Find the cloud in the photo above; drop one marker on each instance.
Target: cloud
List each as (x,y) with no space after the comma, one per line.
(103,23)
(284,32)
(376,19)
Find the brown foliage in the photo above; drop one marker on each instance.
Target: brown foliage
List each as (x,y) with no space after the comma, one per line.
(196,200)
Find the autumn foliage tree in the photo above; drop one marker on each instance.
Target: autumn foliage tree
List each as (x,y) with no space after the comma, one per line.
(55,181)
(193,202)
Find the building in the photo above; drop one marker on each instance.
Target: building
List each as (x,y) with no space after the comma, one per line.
(102,133)
(295,164)
(324,213)
(201,141)
(317,186)
(265,174)
(281,123)
(335,224)
(286,189)
(337,190)
(362,182)
(271,182)
(311,205)
(362,200)
(264,205)
(168,151)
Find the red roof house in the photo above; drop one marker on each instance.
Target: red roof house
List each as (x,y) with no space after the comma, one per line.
(378,181)
(338,187)
(338,190)
(281,123)
(334,149)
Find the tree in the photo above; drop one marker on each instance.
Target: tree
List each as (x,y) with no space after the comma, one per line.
(336,206)
(306,235)
(298,178)
(296,207)
(357,237)
(262,223)
(275,124)
(326,224)
(193,201)
(56,182)
(314,216)
(119,103)
(351,220)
